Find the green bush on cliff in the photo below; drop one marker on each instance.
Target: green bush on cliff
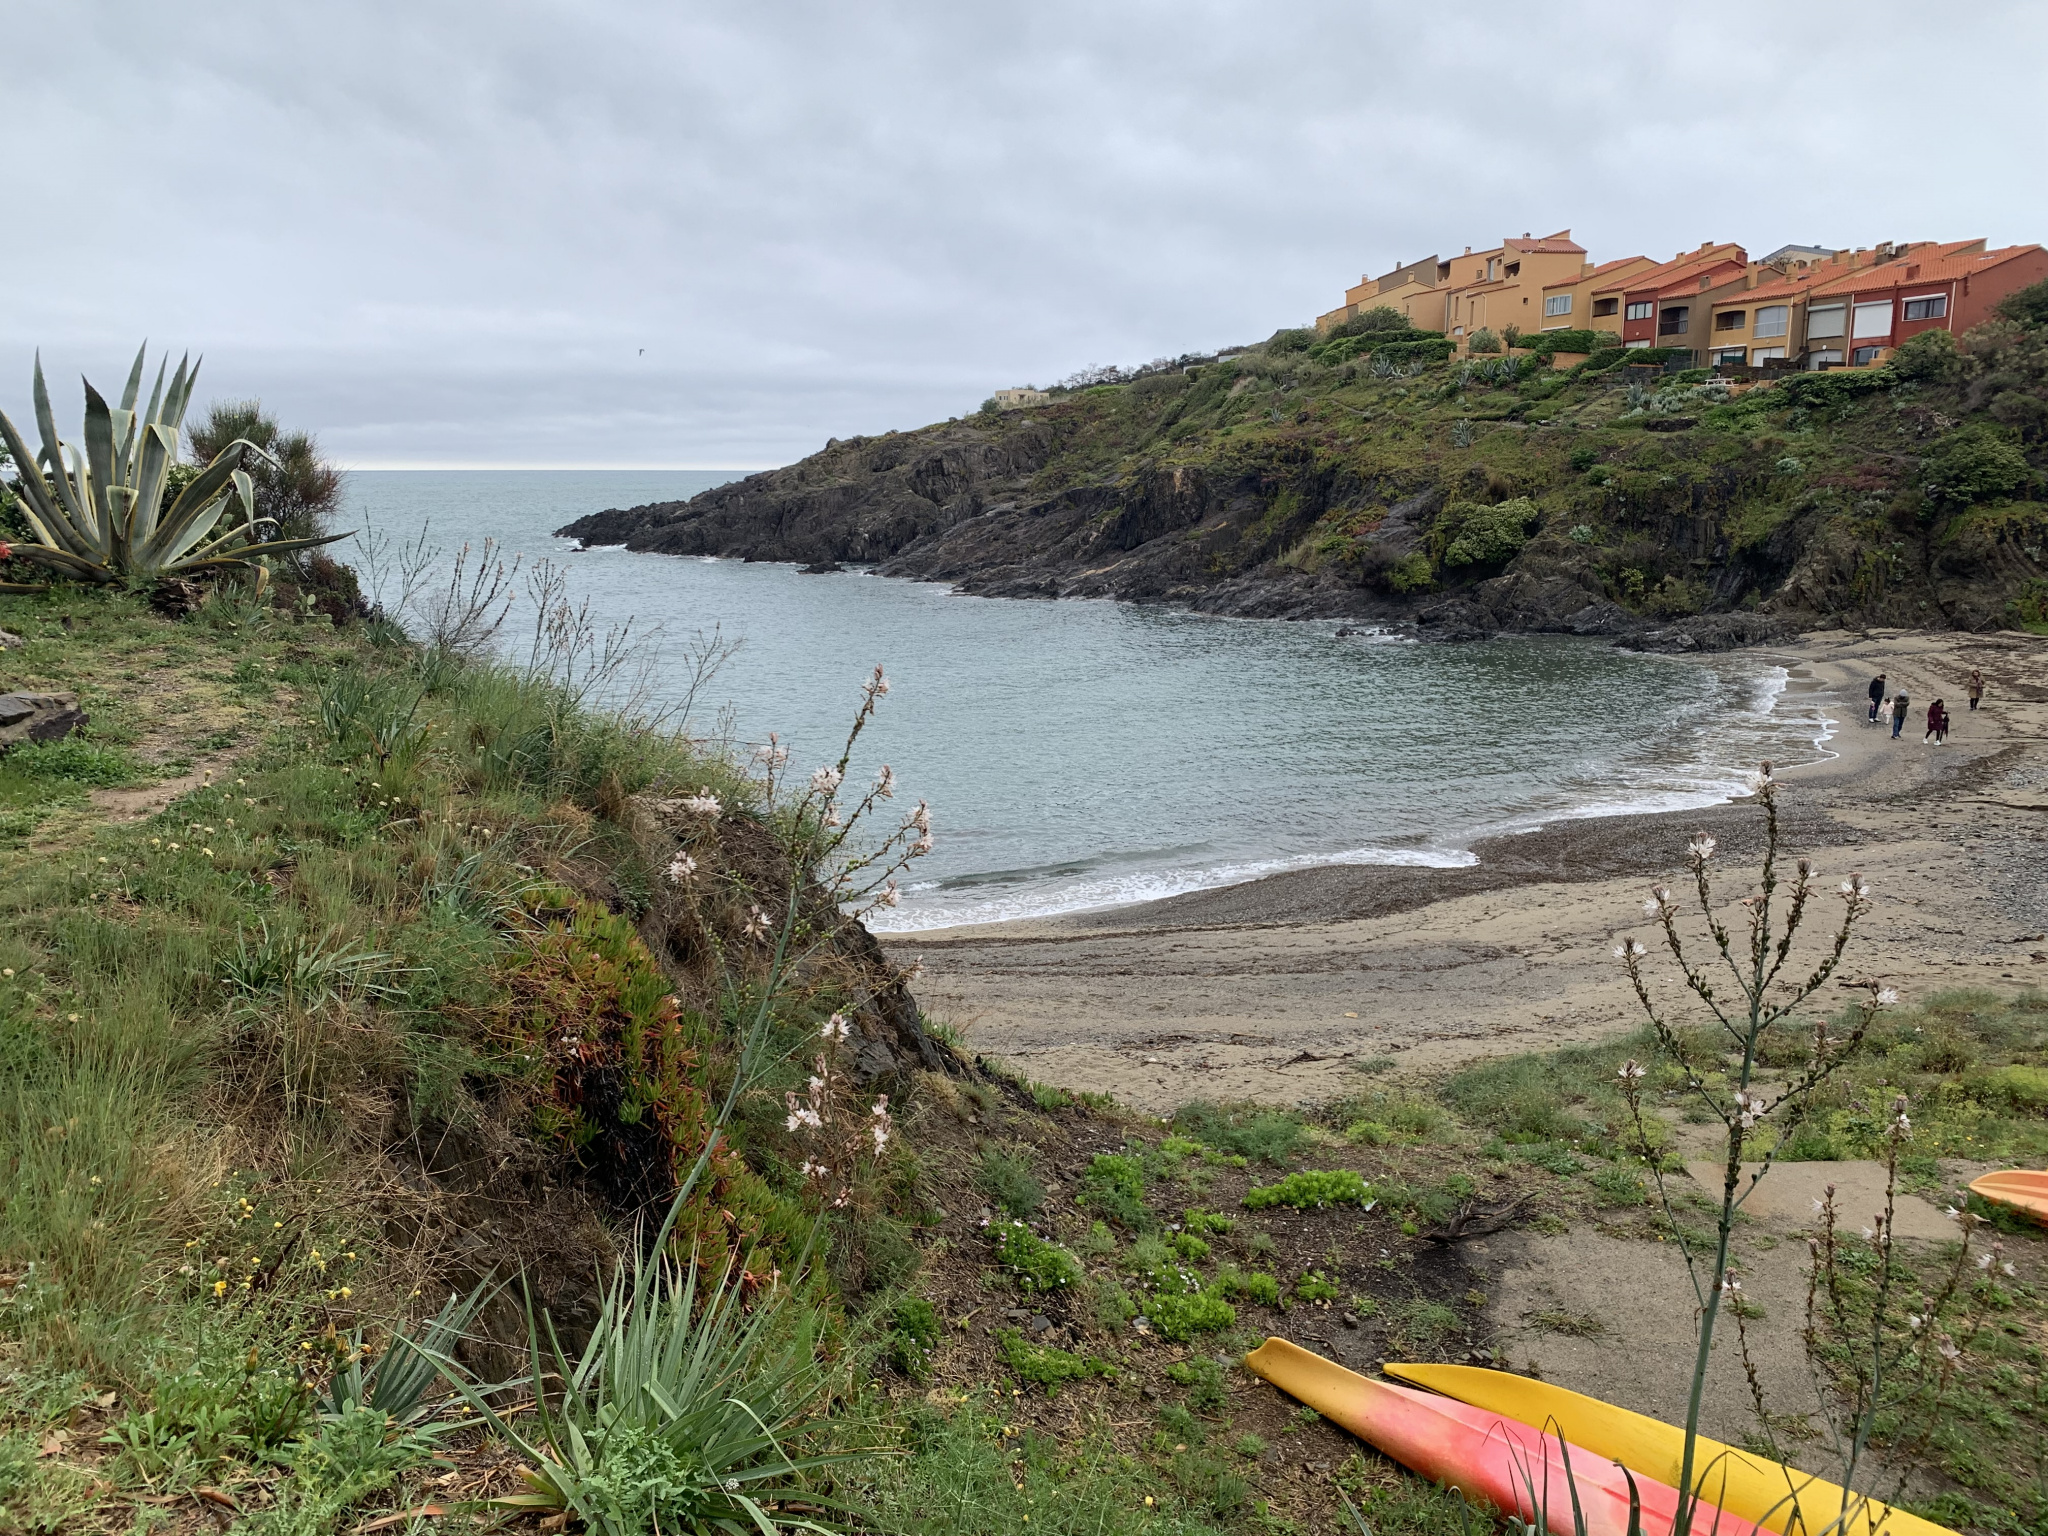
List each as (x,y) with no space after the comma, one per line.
(1485,535)
(1980,462)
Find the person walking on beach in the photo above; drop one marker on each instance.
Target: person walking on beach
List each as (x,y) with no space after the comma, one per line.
(1976,687)
(1884,713)
(1876,695)
(1937,724)
(1898,709)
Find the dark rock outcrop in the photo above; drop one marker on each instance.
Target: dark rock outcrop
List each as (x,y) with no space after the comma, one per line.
(26,717)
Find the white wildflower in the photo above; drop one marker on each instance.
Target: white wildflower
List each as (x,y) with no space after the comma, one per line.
(1748,1107)
(802,1117)
(1701,848)
(836,1028)
(2008,1271)
(921,847)
(1952,1213)
(1949,1352)
(1631,1071)
(1983,1261)
(1868,1234)
(1886,996)
(885,783)
(921,818)
(889,895)
(1820,1207)
(1651,908)
(1914,1321)
(757,923)
(680,868)
(876,685)
(773,755)
(832,816)
(705,804)
(826,780)
(881,1126)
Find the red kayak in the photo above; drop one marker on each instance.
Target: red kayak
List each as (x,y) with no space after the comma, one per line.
(1487,1457)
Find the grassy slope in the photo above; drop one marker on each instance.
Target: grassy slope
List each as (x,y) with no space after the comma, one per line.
(277,1065)
(1822,498)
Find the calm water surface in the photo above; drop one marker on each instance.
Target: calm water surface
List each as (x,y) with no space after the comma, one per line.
(1086,754)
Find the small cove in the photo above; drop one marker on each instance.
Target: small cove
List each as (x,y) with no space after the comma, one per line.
(1083,754)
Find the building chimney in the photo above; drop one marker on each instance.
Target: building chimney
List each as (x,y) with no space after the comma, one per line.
(1468,250)
(1912,270)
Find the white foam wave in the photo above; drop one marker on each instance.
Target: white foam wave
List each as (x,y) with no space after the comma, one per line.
(1122,890)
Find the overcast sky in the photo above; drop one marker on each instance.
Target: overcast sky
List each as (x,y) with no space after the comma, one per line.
(441,232)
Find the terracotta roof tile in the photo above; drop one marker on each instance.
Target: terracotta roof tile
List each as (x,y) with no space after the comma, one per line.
(1940,265)
(1676,269)
(1550,245)
(1600,271)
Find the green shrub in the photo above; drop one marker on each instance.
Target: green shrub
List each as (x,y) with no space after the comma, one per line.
(1265,1135)
(1046,1366)
(1929,358)
(1006,1178)
(914,1332)
(1257,1286)
(1617,1186)
(1297,340)
(1190,1247)
(1114,1187)
(1203,1377)
(1381,319)
(1978,463)
(1547,342)
(1412,574)
(1486,535)
(1037,1264)
(2022,1087)
(70,761)
(1482,340)
(1316,1286)
(1210,1223)
(1312,1188)
(1180,1317)
(2027,306)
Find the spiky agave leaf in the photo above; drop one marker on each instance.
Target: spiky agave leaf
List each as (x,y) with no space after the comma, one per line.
(97,514)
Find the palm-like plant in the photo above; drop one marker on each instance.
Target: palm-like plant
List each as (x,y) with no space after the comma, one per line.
(97,513)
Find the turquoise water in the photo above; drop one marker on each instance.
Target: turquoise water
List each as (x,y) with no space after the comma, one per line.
(1088,754)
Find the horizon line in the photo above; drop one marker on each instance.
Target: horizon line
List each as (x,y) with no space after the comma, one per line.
(732,469)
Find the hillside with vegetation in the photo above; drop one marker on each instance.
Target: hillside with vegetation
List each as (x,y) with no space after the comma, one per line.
(441,1090)
(1367,475)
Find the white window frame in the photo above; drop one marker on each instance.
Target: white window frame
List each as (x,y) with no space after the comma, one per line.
(1906,306)
(1771,320)
(1642,309)
(1725,355)
(1760,355)
(1635,345)
(1740,317)
(1557,304)
(1827,314)
(1866,314)
(1824,355)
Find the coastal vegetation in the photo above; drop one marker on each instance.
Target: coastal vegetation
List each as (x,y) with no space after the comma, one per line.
(1367,474)
(290,1066)
(447,1092)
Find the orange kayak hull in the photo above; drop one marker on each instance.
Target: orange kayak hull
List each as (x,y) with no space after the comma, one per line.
(1487,1457)
(2023,1189)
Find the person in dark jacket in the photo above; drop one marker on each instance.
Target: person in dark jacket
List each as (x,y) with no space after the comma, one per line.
(1937,724)
(1899,703)
(1876,695)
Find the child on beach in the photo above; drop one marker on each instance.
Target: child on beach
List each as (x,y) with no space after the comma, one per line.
(1937,724)
(1976,686)
(1882,713)
(1898,709)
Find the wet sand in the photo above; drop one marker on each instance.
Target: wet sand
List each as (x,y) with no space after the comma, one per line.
(1287,989)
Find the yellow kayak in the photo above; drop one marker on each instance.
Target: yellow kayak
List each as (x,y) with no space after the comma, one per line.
(1747,1486)
(2024,1189)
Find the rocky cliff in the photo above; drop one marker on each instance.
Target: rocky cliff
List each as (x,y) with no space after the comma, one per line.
(1664,509)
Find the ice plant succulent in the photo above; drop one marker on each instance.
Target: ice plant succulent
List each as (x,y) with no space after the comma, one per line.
(97,512)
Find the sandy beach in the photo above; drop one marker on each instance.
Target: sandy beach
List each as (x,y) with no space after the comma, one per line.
(1285,989)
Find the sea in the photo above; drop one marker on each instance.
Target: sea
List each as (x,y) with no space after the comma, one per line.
(1085,754)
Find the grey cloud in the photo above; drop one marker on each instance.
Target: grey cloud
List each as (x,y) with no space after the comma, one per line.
(442,232)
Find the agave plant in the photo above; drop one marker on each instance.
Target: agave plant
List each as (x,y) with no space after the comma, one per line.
(98,513)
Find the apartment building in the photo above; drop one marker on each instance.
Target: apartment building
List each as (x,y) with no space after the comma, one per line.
(1803,304)
(1666,305)
(1504,288)
(1860,316)
(1568,304)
